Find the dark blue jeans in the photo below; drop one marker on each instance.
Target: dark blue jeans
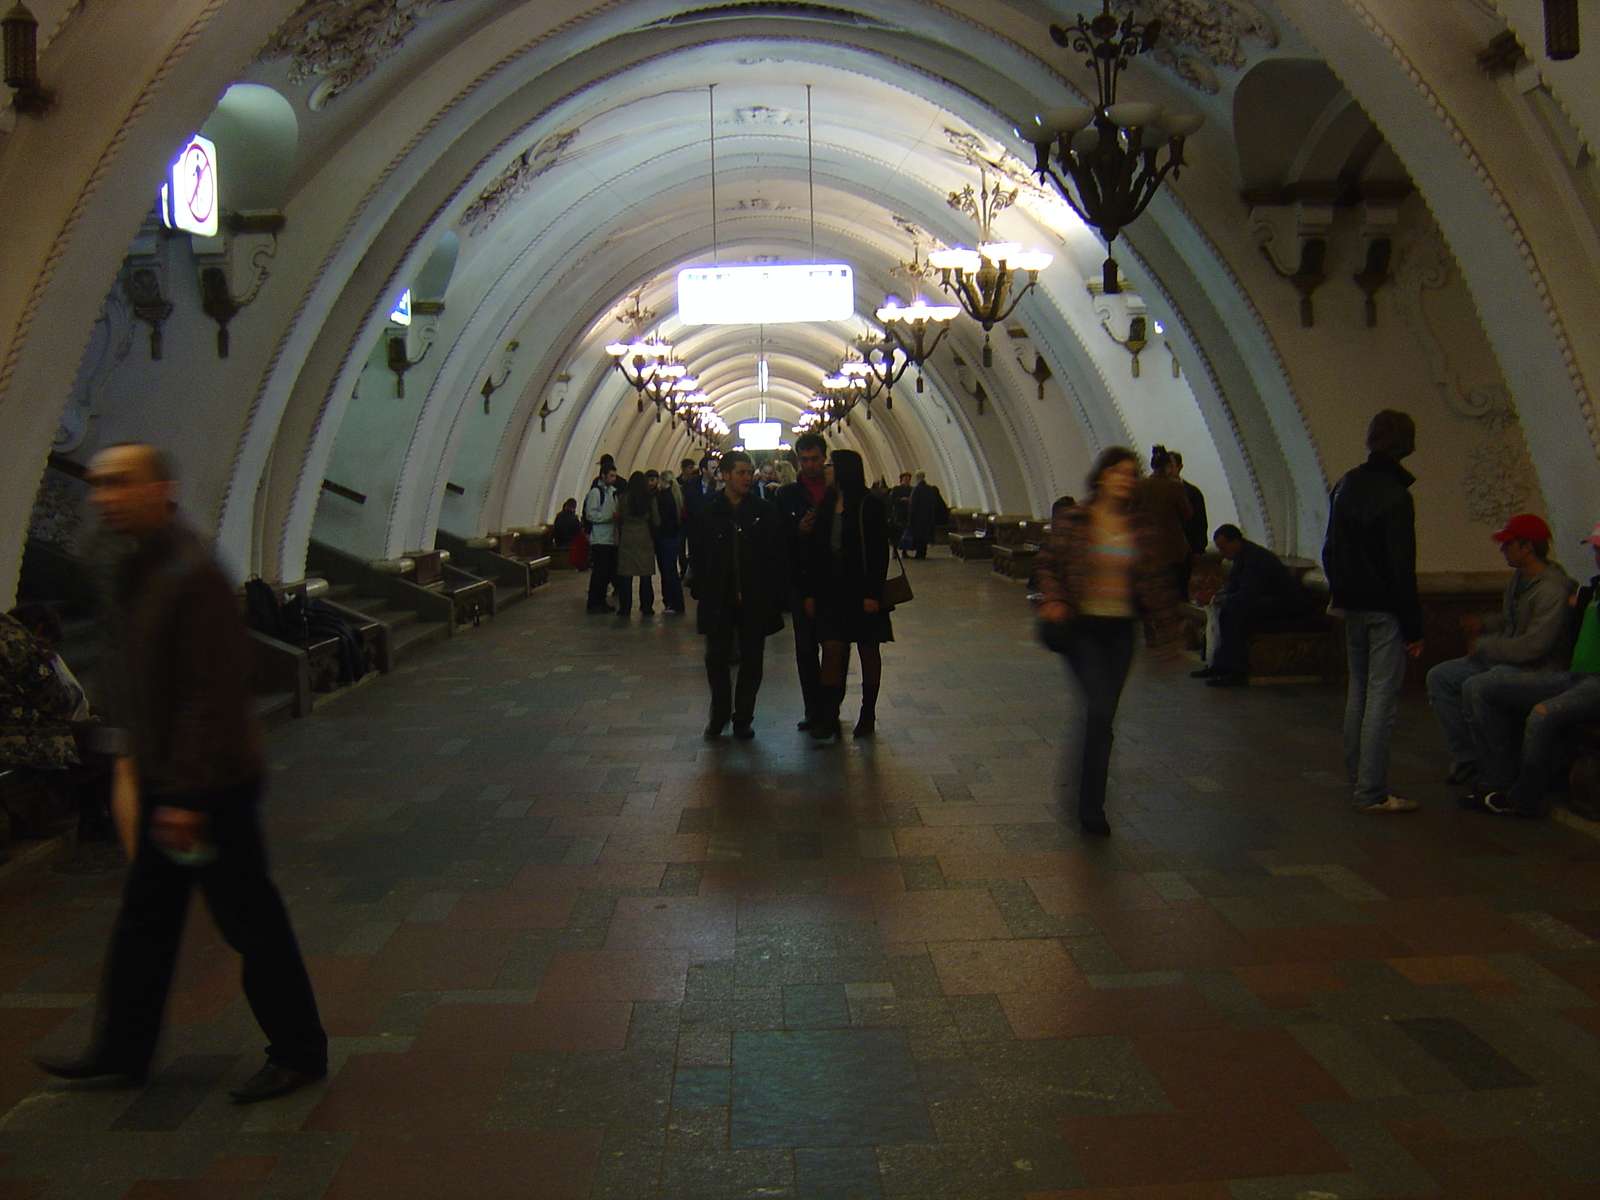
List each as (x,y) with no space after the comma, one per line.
(1506,702)
(671,580)
(1098,652)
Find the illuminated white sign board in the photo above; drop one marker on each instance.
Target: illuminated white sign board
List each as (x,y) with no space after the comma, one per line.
(402,309)
(761,435)
(189,197)
(766,295)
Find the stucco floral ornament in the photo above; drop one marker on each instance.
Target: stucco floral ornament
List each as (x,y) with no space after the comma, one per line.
(1198,36)
(1500,480)
(514,181)
(341,42)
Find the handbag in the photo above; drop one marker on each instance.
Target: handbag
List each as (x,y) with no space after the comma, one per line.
(896,588)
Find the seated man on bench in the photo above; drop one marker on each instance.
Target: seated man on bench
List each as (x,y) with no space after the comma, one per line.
(1259,588)
(1552,703)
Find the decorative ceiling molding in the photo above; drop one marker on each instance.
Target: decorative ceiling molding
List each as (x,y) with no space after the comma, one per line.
(514,182)
(1198,36)
(341,42)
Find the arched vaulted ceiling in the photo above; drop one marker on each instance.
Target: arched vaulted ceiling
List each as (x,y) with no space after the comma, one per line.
(566,149)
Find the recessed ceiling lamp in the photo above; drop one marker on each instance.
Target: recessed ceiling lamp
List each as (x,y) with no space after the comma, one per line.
(1108,161)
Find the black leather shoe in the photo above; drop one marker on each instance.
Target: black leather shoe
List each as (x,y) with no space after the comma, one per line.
(89,1066)
(1227,679)
(714,727)
(1204,673)
(1098,826)
(804,725)
(274,1080)
(743,729)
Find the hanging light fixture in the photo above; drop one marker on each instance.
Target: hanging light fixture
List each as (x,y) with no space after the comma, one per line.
(19,51)
(1109,161)
(911,334)
(982,281)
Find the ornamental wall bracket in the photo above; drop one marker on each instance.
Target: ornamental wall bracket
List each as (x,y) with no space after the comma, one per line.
(490,387)
(338,43)
(233,267)
(1138,338)
(515,179)
(1306,223)
(144,282)
(1380,220)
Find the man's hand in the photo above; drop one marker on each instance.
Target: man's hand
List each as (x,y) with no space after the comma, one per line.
(869,605)
(811,606)
(1057,612)
(1414,649)
(125,803)
(809,521)
(178,829)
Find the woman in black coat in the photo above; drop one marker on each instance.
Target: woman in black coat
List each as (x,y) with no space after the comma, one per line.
(845,563)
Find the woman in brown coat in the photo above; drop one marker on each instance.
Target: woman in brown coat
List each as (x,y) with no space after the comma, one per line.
(1100,571)
(1164,500)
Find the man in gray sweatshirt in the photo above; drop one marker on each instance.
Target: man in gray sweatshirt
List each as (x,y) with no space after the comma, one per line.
(1529,634)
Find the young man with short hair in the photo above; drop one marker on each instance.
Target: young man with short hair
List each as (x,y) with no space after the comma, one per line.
(1370,556)
(1529,634)
(736,552)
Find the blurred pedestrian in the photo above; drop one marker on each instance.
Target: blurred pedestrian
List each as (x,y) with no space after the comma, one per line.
(185,793)
(1100,571)
(1165,504)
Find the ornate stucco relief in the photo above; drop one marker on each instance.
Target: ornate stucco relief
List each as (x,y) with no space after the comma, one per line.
(514,181)
(1499,479)
(341,42)
(1199,36)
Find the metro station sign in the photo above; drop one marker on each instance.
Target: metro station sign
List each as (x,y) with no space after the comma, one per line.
(768,294)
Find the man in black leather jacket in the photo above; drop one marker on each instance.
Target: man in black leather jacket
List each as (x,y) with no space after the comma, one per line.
(797,508)
(1370,557)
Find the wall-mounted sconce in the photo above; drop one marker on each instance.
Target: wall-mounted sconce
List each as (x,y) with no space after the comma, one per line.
(19,34)
(400,361)
(490,387)
(1041,372)
(547,410)
(1137,339)
(1374,275)
(1561,29)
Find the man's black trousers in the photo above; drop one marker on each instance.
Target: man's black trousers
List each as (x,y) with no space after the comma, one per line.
(807,654)
(727,698)
(1236,618)
(248,912)
(602,572)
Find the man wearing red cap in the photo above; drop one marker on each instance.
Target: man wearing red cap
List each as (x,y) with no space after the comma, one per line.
(1551,702)
(1529,634)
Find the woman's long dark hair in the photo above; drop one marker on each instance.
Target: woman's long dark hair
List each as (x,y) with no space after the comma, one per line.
(849,476)
(637,499)
(1109,457)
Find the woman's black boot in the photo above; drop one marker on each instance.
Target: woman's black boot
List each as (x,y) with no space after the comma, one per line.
(825,729)
(867,724)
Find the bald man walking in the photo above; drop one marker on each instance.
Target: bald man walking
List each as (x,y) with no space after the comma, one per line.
(184,794)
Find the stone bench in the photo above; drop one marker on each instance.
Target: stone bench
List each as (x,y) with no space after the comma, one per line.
(975,546)
(1014,562)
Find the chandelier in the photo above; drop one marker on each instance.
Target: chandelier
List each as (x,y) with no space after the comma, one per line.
(983,281)
(651,369)
(911,333)
(1109,161)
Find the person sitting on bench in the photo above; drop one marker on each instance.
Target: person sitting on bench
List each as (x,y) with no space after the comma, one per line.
(1552,703)
(1259,588)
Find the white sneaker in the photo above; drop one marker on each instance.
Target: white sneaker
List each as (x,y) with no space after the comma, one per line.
(1389,804)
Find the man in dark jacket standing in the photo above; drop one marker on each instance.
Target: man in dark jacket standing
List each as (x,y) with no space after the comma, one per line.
(1370,556)
(184,793)
(736,574)
(797,513)
(1259,588)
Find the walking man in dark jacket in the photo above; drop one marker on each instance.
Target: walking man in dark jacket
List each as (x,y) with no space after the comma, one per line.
(184,794)
(736,573)
(1370,556)
(797,512)
(1259,588)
